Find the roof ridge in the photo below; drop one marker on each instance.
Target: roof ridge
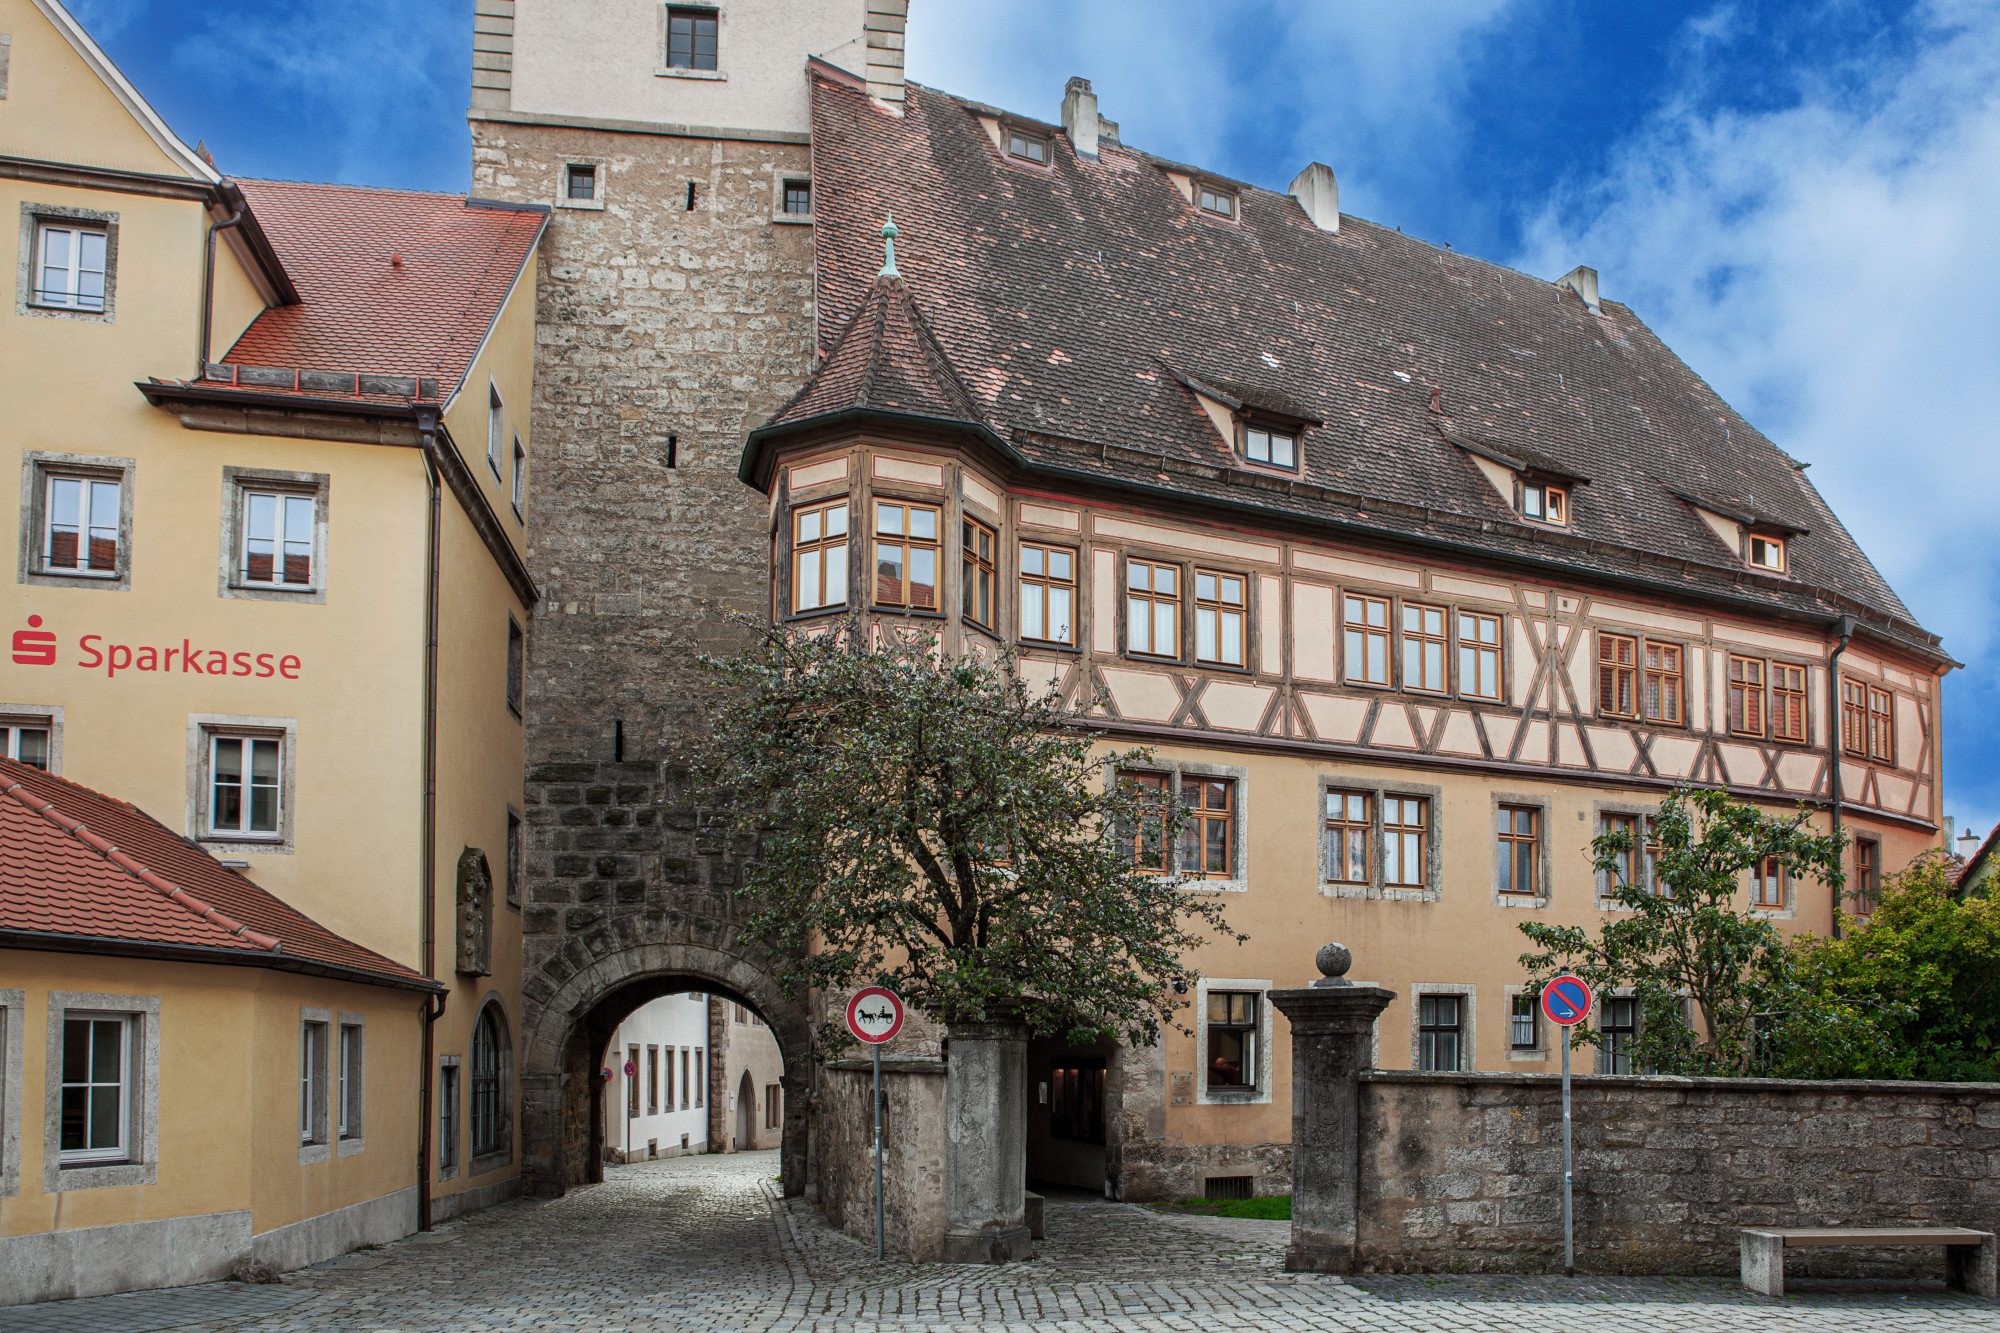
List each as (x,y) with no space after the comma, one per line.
(166,888)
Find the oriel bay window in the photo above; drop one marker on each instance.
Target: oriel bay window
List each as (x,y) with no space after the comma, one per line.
(1152,609)
(1518,852)
(1366,639)
(1404,862)
(80,527)
(1232,1039)
(1205,838)
(1423,648)
(1478,655)
(906,556)
(245,785)
(1347,830)
(819,557)
(1048,593)
(1218,618)
(976,590)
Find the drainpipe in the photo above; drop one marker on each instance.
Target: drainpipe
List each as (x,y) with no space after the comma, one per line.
(1844,628)
(427,428)
(208,287)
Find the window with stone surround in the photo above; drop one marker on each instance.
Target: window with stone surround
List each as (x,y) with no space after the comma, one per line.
(1232,1038)
(1518,855)
(102,1091)
(1440,1030)
(25,740)
(1206,836)
(71,265)
(692,37)
(1347,837)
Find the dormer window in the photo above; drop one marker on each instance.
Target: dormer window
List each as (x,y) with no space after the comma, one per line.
(1216,200)
(1272,447)
(1028,147)
(1545,504)
(1767,553)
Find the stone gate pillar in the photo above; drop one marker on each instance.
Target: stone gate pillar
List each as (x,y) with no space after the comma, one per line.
(986,1143)
(1333,1023)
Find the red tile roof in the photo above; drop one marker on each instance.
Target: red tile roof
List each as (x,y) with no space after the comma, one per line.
(391,282)
(886,359)
(78,867)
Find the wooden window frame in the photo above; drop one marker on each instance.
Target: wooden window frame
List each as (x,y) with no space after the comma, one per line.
(1472,651)
(1772,545)
(1654,681)
(1549,506)
(1201,819)
(1430,1025)
(1049,584)
(1248,1030)
(828,546)
(1867,875)
(1749,699)
(1616,674)
(1204,192)
(1767,885)
(1161,786)
(978,572)
(693,15)
(1356,639)
(1344,834)
(1222,610)
(1406,835)
(1150,597)
(1854,716)
(1619,1036)
(1882,725)
(1026,136)
(910,546)
(1521,1007)
(1509,841)
(1422,640)
(1791,707)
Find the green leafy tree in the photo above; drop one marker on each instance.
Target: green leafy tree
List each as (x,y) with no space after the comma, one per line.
(1685,944)
(935,825)
(1924,969)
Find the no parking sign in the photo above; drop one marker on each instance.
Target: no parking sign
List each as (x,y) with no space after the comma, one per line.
(1566,1001)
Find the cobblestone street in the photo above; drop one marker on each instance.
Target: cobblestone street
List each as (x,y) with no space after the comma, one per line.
(702,1243)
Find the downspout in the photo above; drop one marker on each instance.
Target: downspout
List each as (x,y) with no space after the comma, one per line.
(208,288)
(427,428)
(1844,628)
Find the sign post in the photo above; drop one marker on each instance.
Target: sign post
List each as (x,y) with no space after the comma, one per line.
(875,1016)
(1566,1002)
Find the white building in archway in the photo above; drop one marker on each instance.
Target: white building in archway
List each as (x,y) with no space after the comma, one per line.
(687,1073)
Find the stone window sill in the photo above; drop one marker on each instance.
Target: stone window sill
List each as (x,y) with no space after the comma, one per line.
(713,75)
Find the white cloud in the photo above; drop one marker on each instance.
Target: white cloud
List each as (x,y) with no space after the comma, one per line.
(1831,269)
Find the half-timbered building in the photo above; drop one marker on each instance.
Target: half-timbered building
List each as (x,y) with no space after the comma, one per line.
(1415,571)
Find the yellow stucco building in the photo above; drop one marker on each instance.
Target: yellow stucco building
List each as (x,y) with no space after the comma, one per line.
(269,592)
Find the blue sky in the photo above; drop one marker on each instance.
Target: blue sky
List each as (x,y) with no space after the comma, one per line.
(1799,197)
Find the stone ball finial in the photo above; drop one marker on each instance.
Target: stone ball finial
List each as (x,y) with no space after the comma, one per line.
(1333,960)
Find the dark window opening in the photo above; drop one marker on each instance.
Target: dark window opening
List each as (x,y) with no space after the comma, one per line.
(1232,1039)
(1076,1103)
(582,181)
(1621,1030)
(798,197)
(517,650)
(691,35)
(690,204)
(1438,1032)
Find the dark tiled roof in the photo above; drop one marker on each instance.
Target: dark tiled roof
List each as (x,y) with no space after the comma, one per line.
(423,315)
(1076,301)
(885,358)
(79,866)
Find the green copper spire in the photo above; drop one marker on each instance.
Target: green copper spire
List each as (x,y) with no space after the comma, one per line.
(889,249)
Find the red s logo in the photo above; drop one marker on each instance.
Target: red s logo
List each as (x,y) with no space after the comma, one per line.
(34,646)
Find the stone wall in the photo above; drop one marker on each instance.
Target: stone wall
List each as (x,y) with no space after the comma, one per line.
(1463,1172)
(913,1153)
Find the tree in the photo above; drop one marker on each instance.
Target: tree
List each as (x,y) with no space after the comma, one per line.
(1686,943)
(935,825)
(1925,968)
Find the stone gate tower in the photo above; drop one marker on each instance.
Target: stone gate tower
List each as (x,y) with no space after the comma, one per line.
(675,313)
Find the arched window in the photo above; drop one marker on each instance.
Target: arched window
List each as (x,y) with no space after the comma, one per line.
(488,1107)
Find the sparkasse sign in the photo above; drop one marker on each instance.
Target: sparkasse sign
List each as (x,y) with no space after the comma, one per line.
(35,646)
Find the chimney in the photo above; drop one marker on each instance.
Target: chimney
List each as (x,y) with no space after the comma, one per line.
(1583,281)
(1318,194)
(1079,116)
(884,30)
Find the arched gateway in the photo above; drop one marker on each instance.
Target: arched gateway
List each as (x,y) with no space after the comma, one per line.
(567,1022)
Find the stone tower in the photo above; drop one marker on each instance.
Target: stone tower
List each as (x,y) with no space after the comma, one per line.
(675,313)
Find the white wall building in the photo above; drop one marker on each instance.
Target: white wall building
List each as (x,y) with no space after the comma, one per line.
(660,1108)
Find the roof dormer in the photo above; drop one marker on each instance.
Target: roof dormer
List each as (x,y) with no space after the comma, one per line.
(1762,542)
(1263,428)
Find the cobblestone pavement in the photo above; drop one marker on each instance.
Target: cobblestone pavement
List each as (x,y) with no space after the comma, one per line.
(703,1245)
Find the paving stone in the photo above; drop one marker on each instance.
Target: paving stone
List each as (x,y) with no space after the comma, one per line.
(704,1244)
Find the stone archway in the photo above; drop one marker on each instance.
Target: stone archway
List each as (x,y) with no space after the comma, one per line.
(565,1026)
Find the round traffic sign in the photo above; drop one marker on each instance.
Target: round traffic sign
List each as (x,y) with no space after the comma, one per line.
(1566,1000)
(874,1015)
(631,1069)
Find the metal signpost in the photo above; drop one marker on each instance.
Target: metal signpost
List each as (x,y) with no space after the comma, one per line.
(875,1015)
(1566,1002)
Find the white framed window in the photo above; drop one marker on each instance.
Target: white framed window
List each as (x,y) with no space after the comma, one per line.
(280,532)
(517,485)
(246,785)
(1767,553)
(82,525)
(71,265)
(28,741)
(351,1084)
(496,427)
(316,1105)
(1276,448)
(96,1077)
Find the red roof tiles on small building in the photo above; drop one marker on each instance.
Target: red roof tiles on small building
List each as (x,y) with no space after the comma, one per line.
(391,282)
(85,872)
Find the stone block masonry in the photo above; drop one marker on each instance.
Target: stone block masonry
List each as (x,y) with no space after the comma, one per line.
(913,1153)
(1463,1172)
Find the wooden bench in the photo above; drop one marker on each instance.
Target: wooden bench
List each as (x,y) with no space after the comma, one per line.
(1969,1256)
